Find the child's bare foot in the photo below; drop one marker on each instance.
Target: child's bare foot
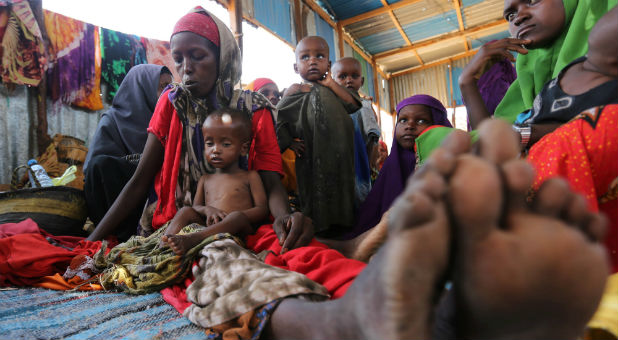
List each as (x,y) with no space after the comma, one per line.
(521,270)
(181,244)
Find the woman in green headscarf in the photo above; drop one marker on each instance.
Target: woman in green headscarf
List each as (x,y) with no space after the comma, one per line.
(547,35)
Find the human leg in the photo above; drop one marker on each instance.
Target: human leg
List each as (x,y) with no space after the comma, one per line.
(235,223)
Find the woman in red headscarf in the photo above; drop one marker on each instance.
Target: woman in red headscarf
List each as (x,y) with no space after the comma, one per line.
(208,60)
(267,87)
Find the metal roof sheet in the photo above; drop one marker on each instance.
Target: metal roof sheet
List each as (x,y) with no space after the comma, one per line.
(382,41)
(483,12)
(422,21)
(344,9)
(373,25)
(432,26)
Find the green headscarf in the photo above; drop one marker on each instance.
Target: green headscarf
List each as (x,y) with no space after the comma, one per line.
(543,64)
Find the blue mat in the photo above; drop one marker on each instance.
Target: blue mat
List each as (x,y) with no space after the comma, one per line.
(31,313)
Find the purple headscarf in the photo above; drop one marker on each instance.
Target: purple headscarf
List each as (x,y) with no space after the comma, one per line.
(396,169)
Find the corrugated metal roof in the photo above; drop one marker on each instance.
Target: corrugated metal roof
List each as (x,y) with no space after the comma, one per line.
(420,21)
(346,9)
(477,41)
(399,62)
(483,12)
(383,41)
(421,10)
(432,26)
(370,26)
(275,14)
(442,50)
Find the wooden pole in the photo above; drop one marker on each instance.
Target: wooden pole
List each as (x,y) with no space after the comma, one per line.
(452,100)
(391,97)
(42,137)
(298,21)
(376,89)
(235,10)
(340,40)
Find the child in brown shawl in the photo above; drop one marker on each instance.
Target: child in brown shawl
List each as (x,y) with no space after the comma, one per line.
(317,113)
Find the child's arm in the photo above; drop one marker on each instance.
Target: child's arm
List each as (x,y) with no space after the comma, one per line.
(482,61)
(210,214)
(339,90)
(259,212)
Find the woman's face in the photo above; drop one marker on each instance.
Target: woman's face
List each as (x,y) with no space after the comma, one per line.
(541,21)
(195,61)
(271,91)
(412,120)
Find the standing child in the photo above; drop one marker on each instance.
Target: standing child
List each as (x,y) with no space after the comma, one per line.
(347,72)
(229,191)
(317,114)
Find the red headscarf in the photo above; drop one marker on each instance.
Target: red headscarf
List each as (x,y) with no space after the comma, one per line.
(199,22)
(257,84)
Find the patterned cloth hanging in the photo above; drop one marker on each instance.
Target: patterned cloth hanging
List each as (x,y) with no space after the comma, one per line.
(74,75)
(158,52)
(120,52)
(23,53)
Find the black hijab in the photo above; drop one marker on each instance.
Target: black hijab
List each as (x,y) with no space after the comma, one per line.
(122,128)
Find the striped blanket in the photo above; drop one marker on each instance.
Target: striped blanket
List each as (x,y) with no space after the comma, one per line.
(28,313)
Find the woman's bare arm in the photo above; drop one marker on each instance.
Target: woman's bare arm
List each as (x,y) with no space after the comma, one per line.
(134,192)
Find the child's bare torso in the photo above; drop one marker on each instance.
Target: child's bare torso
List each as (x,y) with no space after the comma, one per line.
(228,192)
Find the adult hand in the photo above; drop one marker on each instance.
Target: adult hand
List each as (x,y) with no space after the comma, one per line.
(293,230)
(489,54)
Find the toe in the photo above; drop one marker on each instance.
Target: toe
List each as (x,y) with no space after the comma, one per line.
(497,141)
(443,159)
(552,198)
(457,142)
(475,197)
(518,176)
(417,204)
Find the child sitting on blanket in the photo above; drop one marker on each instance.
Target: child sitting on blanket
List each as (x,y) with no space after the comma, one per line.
(314,121)
(231,199)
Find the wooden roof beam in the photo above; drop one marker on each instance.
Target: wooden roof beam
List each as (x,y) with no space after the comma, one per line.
(464,33)
(378,11)
(457,7)
(435,63)
(401,31)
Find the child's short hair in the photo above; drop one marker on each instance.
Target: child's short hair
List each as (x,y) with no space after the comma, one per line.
(237,118)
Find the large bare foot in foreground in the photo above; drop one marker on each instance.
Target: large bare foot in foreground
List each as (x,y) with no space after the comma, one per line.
(521,270)
(394,297)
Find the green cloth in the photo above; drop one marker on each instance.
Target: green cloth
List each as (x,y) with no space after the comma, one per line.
(325,172)
(141,266)
(543,64)
(430,140)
